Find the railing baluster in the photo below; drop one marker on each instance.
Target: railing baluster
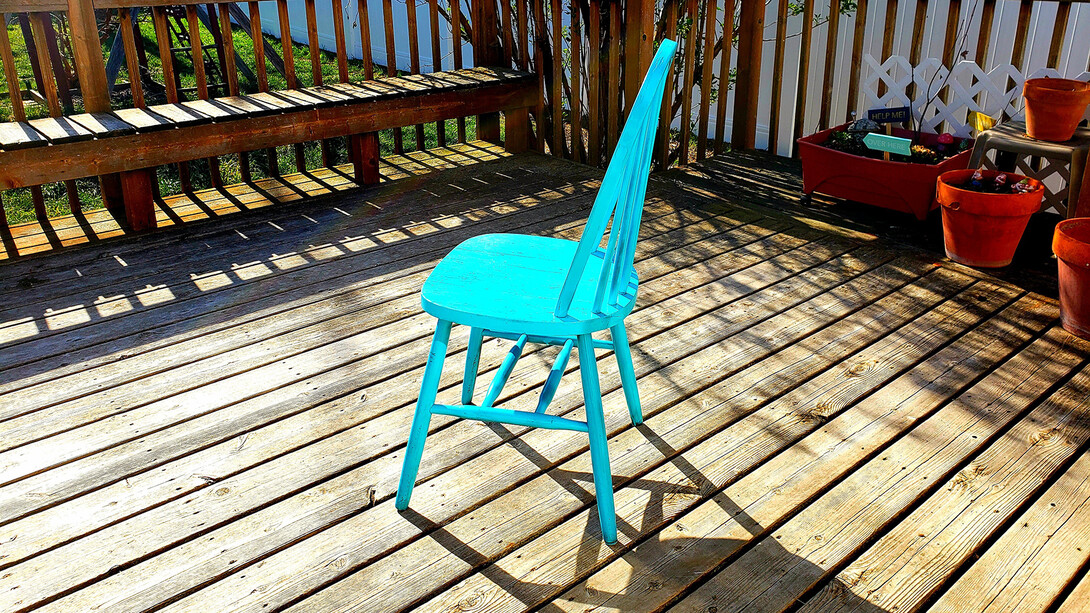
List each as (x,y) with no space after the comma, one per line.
(829,72)
(857,57)
(197,53)
(226,34)
(316,69)
(456,50)
(391,61)
(613,115)
(437,62)
(594,65)
(128,39)
(365,40)
(508,35)
(777,76)
(414,60)
(18,109)
(576,104)
(170,79)
(288,51)
(803,82)
(39,23)
(272,161)
(339,38)
(706,78)
(691,41)
(258,38)
(724,76)
(312,42)
(523,34)
(556,97)
(666,115)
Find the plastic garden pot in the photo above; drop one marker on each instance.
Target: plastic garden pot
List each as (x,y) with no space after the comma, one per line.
(1054,107)
(982,230)
(901,186)
(1071,244)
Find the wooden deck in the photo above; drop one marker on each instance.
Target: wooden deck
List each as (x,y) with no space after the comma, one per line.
(212,418)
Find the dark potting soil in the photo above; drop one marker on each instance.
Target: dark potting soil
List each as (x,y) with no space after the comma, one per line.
(1000,184)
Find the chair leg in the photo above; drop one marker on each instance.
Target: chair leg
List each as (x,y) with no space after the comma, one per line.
(422,418)
(599,450)
(473,361)
(627,371)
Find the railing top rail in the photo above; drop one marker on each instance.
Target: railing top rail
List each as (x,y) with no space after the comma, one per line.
(33,6)
(36,6)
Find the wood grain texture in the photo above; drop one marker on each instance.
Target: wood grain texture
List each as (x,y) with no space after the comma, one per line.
(903,570)
(217,418)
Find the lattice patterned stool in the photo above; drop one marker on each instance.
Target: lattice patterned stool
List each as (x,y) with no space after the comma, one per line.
(1013,153)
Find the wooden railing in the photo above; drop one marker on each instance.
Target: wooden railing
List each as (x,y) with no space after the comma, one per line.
(791,68)
(59,68)
(749,74)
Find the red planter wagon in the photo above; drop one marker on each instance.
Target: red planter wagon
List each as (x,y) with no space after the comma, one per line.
(908,187)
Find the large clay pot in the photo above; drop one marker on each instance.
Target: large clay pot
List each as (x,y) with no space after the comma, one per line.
(1054,107)
(983,230)
(1071,244)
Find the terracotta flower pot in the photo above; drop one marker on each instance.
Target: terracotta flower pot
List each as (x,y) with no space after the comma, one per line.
(980,229)
(1071,244)
(1054,107)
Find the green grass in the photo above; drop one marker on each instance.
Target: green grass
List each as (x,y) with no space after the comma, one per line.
(18,205)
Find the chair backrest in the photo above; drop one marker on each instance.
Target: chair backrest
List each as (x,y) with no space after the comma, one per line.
(621,195)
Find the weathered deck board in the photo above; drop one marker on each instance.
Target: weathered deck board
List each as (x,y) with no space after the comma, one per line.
(232,439)
(1043,550)
(907,565)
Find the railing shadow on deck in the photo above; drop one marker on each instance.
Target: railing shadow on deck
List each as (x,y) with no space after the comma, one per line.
(60,329)
(135,275)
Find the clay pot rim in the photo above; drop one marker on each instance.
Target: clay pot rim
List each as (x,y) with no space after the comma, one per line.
(1044,83)
(1071,248)
(982,204)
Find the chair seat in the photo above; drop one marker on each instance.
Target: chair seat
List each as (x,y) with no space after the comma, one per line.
(510,282)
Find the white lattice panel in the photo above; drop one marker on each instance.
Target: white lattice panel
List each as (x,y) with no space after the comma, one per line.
(995,92)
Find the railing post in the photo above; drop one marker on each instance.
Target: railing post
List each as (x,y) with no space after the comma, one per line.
(750,33)
(487,51)
(517,138)
(364,153)
(139,202)
(87,52)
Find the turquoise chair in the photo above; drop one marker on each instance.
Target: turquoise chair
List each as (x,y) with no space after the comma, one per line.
(533,289)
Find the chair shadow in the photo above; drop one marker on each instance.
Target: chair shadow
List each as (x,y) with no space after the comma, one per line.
(645,549)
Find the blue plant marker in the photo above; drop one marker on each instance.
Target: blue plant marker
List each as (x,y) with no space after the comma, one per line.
(889,144)
(534,289)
